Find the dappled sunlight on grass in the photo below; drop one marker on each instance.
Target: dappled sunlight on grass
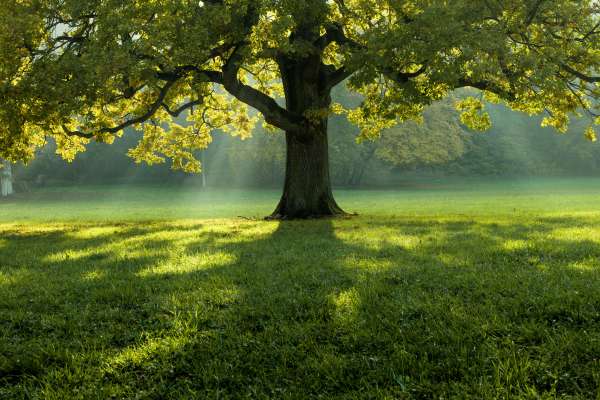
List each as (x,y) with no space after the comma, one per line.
(404,307)
(346,310)
(94,275)
(518,244)
(73,255)
(5,279)
(451,261)
(588,265)
(590,232)
(393,237)
(367,264)
(184,264)
(137,356)
(92,232)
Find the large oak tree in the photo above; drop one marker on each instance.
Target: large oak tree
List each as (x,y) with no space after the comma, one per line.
(80,70)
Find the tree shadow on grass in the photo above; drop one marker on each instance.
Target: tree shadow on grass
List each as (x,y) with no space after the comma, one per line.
(406,308)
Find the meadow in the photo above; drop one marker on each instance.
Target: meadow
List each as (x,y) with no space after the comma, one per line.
(446,290)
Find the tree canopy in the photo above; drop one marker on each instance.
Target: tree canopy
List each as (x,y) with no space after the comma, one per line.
(85,69)
(78,70)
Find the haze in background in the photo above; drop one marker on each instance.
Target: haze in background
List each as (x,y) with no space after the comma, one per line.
(516,147)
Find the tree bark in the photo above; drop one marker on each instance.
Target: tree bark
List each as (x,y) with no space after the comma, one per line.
(307,191)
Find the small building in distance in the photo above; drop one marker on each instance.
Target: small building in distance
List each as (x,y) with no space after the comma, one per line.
(6,183)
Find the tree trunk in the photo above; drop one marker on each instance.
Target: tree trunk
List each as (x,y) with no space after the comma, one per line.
(307,189)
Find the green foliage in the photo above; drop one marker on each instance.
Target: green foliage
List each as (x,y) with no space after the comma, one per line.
(515,147)
(473,115)
(483,302)
(518,146)
(81,70)
(437,140)
(590,134)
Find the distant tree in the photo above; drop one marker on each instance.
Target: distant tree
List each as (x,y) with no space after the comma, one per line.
(78,70)
(438,139)
(6,178)
(519,147)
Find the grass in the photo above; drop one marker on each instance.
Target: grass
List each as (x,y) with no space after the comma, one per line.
(485,291)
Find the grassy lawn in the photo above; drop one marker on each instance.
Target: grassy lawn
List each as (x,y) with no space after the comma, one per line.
(462,290)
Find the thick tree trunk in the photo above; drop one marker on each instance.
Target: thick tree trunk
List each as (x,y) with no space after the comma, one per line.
(307,189)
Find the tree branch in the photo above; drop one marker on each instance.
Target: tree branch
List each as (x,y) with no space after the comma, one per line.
(337,76)
(335,33)
(580,75)
(162,94)
(273,113)
(403,77)
(533,12)
(177,112)
(487,86)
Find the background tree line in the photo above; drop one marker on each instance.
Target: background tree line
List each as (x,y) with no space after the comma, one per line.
(516,146)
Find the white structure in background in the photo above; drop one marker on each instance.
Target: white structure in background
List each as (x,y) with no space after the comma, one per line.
(6,184)
(202,172)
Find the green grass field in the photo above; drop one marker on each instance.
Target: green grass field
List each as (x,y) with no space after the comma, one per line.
(436,291)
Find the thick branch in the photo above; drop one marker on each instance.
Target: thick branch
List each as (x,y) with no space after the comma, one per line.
(333,33)
(403,77)
(181,71)
(580,75)
(337,76)
(487,86)
(273,113)
(336,34)
(177,112)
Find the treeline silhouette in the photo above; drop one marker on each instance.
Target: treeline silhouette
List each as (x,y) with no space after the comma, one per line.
(516,146)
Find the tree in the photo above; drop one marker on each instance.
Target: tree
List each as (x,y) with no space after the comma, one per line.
(519,147)
(438,139)
(78,70)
